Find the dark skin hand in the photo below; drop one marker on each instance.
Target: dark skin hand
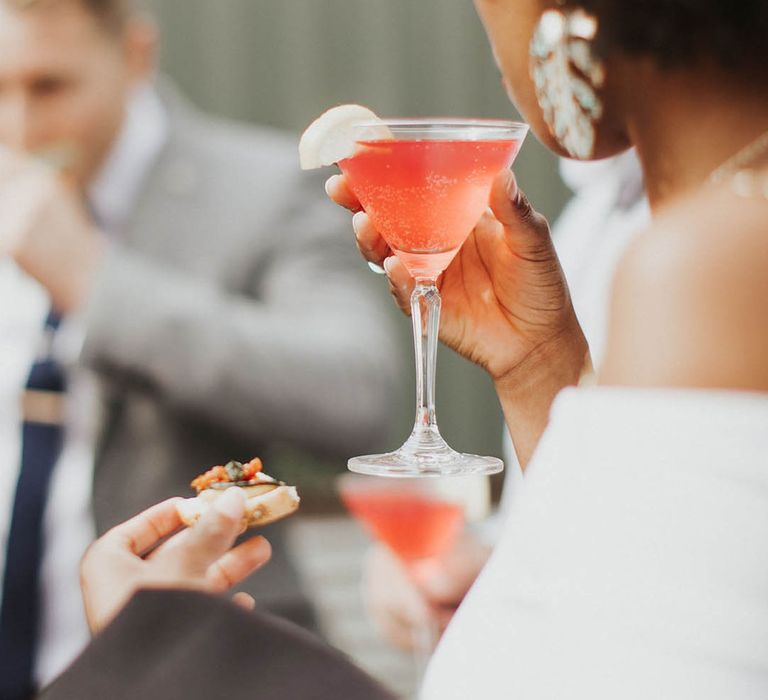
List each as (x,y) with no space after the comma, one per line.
(506,305)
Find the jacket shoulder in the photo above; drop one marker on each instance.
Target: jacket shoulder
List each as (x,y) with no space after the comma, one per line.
(238,144)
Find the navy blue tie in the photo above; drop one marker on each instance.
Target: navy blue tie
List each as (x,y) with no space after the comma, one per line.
(20,607)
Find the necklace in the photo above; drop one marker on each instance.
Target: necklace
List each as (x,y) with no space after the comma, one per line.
(736,173)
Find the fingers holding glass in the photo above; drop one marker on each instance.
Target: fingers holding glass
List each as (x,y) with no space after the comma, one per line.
(401,283)
(370,243)
(337,188)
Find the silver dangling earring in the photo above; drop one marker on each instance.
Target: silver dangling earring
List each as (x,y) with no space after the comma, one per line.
(568,76)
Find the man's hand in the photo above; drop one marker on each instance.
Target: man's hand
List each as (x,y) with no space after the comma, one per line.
(44,227)
(131,556)
(404,598)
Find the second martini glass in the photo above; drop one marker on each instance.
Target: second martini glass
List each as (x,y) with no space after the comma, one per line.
(425,188)
(418,520)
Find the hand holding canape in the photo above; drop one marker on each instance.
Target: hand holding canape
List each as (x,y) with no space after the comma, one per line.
(144,552)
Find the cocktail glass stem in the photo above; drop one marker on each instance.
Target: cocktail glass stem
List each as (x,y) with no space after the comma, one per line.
(425,452)
(425,315)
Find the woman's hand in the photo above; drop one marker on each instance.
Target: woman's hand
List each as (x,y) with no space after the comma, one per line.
(504,295)
(137,555)
(506,305)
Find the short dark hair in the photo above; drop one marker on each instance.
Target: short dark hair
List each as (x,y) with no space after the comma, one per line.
(731,33)
(112,14)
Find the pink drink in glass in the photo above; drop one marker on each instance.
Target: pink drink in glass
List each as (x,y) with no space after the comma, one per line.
(413,525)
(425,183)
(426,196)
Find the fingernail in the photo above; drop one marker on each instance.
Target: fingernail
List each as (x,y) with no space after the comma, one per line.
(231,503)
(512,188)
(330,182)
(389,263)
(357,221)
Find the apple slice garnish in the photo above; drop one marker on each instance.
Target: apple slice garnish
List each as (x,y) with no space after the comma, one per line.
(334,135)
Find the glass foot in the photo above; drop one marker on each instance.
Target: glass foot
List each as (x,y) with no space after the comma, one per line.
(424,460)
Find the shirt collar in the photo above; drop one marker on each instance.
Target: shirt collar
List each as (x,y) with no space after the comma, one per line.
(112,194)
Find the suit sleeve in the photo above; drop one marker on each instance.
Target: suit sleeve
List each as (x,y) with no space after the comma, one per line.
(169,645)
(307,355)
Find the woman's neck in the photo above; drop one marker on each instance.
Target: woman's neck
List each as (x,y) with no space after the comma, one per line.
(686,124)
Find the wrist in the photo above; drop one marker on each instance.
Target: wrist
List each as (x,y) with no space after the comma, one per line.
(562,361)
(526,393)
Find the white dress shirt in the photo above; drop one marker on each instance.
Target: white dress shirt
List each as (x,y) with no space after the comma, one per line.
(24,305)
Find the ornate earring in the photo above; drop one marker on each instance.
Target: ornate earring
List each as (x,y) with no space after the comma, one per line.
(568,76)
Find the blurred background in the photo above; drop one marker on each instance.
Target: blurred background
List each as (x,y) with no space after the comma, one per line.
(282,63)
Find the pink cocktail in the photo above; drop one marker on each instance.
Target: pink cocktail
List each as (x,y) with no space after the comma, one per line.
(425,186)
(425,197)
(413,525)
(418,520)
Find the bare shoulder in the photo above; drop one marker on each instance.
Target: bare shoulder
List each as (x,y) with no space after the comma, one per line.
(690,298)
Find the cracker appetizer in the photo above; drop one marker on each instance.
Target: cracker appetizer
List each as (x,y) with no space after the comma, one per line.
(267,499)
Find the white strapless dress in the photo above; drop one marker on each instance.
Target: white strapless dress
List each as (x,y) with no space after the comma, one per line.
(634,562)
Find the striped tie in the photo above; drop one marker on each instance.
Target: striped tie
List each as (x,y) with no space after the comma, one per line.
(20,607)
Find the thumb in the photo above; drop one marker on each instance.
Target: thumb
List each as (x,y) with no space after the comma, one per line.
(437,584)
(216,531)
(512,209)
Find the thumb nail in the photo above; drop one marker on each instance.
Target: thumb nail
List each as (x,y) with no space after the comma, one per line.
(389,263)
(231,504)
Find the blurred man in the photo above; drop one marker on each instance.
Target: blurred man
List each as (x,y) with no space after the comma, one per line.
(201,315)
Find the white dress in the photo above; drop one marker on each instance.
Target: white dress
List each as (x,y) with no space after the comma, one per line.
(608,210)
(633,564)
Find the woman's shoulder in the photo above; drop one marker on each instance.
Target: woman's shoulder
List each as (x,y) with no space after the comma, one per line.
(690,298)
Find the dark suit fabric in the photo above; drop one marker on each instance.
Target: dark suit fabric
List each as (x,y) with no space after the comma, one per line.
(174,645)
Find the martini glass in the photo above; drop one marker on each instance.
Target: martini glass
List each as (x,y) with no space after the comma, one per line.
(425,189)
(418,520)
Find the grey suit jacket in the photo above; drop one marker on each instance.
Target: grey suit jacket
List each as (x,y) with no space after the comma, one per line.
(234,314)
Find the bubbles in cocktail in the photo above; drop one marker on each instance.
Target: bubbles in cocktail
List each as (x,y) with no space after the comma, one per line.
(425,196)
(425,184)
